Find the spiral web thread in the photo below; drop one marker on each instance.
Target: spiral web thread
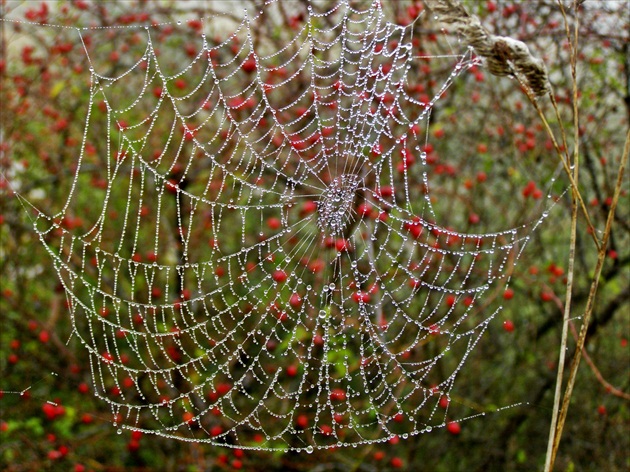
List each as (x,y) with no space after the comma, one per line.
(275,277)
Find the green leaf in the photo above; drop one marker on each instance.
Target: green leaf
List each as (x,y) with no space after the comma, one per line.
(57,88)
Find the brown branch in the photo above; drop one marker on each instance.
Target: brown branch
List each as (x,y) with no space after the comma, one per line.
(598,375)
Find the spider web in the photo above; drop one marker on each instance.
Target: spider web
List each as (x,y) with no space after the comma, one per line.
(263,266)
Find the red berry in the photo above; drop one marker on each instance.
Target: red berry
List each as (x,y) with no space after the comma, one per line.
(223,388)
(386,191)
(326,429)
(342,245)
(397,462)
(546,296)
(295,301)
(44,336)
(188,417)
(364,209)
(280,276)
(508,294)
(601,409)
(309,207)
(249,65)
(301,421)
(292,371)
(414,227)
(454,428)
(338,394)
(50,411)
(508,325)
(274,223)
(379,455)
(558,271)
(361,297)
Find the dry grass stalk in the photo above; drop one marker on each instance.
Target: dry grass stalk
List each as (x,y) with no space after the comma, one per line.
(504,56)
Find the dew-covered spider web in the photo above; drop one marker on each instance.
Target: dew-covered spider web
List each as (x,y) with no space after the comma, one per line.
(263,266)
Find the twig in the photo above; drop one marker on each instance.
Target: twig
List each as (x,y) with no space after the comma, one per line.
(598,375)
(607,385)
(565,163)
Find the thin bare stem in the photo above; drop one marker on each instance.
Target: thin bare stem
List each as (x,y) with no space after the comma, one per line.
(601,257)
(554,431)
(565,329)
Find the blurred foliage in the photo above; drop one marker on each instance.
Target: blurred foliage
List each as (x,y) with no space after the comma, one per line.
(492,159)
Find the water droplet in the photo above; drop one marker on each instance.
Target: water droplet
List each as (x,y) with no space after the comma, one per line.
(309,450)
